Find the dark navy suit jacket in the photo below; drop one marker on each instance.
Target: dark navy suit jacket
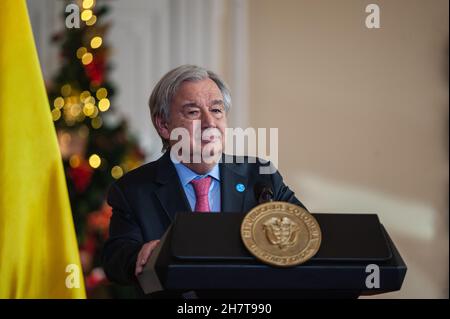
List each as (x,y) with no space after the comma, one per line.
(146,199)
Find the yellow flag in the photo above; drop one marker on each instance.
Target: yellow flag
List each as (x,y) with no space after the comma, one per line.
(38,249)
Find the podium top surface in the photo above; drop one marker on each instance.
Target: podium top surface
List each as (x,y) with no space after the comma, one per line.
(345,238)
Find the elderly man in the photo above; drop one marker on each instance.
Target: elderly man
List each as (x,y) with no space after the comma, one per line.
(195,101)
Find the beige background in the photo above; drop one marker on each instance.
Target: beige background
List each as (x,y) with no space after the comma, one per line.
(362,116)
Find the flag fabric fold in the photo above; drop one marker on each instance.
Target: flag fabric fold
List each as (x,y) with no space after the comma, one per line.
(38,249)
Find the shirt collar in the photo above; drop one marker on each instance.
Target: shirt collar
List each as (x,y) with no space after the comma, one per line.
(186,175)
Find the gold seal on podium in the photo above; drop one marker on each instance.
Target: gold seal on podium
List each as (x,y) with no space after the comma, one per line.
(281,234)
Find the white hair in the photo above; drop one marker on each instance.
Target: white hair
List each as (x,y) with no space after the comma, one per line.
(166,88)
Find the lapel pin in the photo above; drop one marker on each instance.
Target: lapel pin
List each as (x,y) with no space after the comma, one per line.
(240,187)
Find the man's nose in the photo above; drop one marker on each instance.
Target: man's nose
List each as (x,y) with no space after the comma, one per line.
(208,120)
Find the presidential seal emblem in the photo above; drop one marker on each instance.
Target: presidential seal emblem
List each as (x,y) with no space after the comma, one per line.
(281,234)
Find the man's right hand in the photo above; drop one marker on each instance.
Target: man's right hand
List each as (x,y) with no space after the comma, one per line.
(143,255)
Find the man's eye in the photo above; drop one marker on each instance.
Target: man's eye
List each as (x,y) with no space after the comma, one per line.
(193,112)
(217,110)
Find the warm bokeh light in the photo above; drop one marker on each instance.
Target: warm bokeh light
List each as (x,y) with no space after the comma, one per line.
(88,109)
(95,161)
(74,161)
(96,122)
(80,52)
(84,95)
(103,105)
(58,102)
(116,172)
(86,15)
(89,99)
(91,21)
(75,110)
(56,114)
(87,4)
(87,58)
(101,93)
(96,42)
(94,113)
(66,89)
(72,100)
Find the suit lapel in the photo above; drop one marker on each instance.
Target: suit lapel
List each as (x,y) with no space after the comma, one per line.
(173,199)
(170,192)
(232,200)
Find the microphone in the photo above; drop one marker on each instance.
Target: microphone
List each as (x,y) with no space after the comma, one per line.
(263,192)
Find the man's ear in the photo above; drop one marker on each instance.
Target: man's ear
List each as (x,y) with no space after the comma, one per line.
(162,127)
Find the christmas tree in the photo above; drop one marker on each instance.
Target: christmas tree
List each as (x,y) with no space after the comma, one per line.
(94,142)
